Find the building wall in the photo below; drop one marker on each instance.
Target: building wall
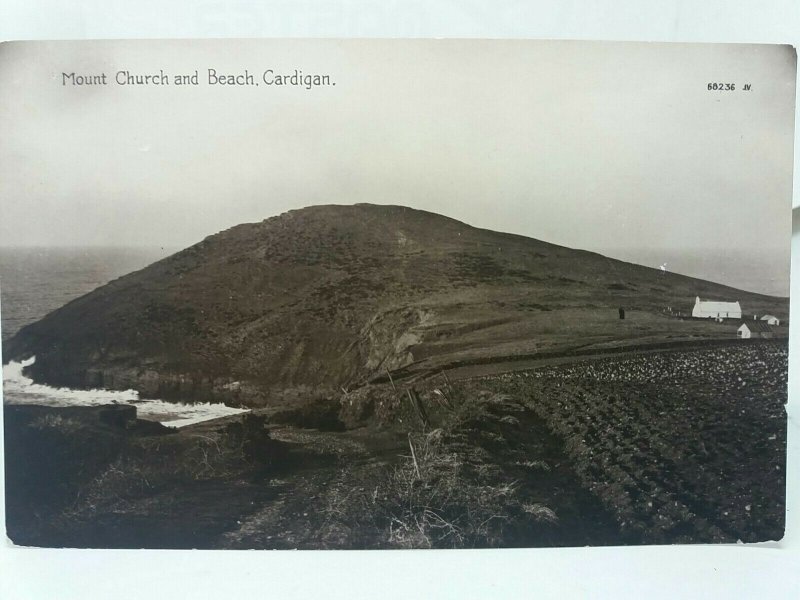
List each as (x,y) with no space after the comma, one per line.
(700,312)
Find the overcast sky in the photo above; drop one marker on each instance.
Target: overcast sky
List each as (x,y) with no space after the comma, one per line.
(618,148)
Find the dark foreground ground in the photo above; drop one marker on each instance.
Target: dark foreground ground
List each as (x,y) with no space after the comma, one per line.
(680,446)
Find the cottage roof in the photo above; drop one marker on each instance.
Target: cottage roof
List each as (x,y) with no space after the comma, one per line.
(768,317)
(755,326)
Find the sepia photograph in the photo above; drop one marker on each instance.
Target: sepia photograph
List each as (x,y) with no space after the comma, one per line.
(394,294)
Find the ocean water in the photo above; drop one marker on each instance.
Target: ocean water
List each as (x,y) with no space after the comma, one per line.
(753,270)
(36,281)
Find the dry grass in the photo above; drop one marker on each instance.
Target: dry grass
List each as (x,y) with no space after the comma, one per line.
(534,465)
(443,494)
(453,487)
(433,501)
(541,513)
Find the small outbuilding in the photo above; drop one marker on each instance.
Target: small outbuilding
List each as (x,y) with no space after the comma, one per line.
(771,320)
(753,329)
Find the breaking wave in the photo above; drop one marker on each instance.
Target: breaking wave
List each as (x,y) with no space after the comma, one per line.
(19,389)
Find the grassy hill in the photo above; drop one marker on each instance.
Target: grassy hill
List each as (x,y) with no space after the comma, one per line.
(332,296)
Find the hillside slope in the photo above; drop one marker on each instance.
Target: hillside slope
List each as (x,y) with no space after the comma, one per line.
(330,296)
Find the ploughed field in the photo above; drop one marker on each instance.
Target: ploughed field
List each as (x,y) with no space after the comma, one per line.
(682,446)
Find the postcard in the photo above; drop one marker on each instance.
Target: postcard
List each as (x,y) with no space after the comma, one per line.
(387,294)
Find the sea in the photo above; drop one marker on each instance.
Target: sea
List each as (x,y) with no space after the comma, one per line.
(36,281)
(763,271)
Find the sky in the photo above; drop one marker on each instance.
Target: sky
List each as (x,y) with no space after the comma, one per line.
(619,148)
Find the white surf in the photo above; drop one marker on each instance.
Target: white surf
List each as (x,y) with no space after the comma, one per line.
(20,389)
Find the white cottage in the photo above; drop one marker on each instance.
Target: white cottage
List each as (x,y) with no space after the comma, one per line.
(771,320)
(753,329)
(711,309)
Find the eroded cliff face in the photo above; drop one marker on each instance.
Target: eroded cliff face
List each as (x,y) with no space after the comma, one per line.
(388,339)
(329,297)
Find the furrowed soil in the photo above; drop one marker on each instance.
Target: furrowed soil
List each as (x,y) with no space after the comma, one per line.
(684,445)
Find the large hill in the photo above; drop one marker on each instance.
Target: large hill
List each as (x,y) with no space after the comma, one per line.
(332,296)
